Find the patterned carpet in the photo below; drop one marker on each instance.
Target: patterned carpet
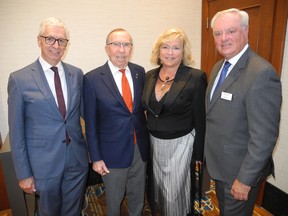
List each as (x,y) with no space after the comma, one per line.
(95,203)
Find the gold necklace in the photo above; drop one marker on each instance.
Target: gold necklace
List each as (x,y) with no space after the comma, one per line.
(165,81)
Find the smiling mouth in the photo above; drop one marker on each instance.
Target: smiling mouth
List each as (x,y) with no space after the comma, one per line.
(169,58)
(121,58)
(225,45)
(54,52)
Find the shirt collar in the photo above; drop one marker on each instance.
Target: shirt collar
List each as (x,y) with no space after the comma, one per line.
(235,59)
(45,65)
(115,69)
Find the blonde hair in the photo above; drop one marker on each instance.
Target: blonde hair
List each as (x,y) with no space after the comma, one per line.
(170,35)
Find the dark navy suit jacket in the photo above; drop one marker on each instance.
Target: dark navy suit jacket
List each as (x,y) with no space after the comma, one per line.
(109,124)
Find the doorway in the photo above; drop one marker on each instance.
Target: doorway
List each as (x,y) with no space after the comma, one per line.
(267,29)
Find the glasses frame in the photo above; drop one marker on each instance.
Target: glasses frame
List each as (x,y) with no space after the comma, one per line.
(120,44)
(55,39)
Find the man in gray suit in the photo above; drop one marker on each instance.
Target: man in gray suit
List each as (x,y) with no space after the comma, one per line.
(243,115)
(48,148)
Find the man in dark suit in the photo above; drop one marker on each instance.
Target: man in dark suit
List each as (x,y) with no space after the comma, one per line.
(243,116)
(48,149)
(116,134)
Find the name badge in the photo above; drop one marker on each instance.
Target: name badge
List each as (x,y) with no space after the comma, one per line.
(226,96)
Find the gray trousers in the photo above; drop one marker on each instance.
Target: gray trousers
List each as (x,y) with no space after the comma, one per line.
(229,206)
(130,180)
(63,195)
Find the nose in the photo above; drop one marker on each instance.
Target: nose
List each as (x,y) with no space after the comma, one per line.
(121,48)
(223,36)
(56,44)
(170,50)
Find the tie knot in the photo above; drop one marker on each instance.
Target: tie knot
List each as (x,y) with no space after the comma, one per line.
(54,69)
(122,71)
(227,64)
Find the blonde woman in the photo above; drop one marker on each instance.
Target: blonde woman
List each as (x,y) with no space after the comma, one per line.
(174,99)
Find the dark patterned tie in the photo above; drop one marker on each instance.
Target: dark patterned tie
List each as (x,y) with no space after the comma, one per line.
(60,97)
(59,92)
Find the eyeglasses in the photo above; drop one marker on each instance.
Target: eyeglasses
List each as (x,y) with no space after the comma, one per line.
(51,40)
(119,44)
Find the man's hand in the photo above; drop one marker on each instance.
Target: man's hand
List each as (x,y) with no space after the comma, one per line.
(28,185)
(240,191)
(100,167)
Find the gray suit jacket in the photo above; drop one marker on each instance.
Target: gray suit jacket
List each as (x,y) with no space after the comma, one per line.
(242,126)
(37,129)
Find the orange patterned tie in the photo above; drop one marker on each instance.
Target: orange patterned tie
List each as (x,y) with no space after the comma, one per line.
(127,95)
(126,91)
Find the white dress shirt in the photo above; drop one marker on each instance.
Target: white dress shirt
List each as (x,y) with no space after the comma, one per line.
(233,62)
(118,77)
(49,74)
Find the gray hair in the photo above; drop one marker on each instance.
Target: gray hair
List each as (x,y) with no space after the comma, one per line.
(244,17)
(118,30)
(52,21)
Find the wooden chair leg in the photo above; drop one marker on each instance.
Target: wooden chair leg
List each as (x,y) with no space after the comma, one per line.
(259,199)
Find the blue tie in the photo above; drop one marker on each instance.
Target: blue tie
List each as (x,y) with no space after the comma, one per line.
(223,74)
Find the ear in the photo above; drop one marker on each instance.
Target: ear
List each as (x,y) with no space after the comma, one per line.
(107,50)
(246,31)
(39,41)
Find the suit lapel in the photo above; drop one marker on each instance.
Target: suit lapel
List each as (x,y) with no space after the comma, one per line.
(69,76)
(150,83)
(181,79)
(41,81)
(179,83)
(109,81)
(214,73)
(135,78)
(230,79)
